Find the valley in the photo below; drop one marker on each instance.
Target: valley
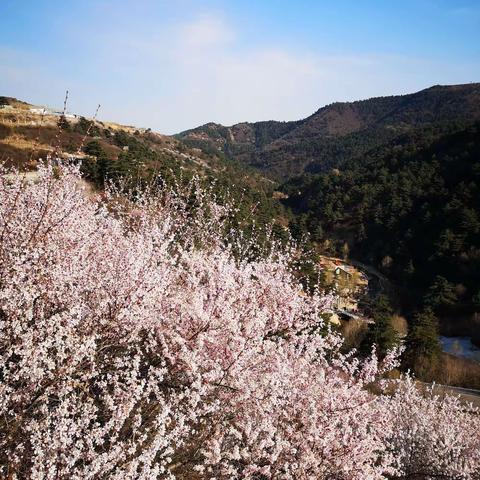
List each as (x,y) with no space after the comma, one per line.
(387,187)
(239,240)
(392,182)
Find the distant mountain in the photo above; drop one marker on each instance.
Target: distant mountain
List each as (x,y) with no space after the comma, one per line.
(337,132)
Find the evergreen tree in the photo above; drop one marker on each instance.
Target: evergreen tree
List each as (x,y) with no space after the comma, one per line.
(63,123)
(380,333)
(103,168)
(476,299)
(422,344)
(93,148)
(98,168)
(441,293)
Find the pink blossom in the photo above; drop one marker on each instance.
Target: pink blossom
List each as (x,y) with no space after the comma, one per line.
(135,345)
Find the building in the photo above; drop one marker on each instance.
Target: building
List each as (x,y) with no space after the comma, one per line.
(333,317)
(38,111)
(348,284)
(343,271)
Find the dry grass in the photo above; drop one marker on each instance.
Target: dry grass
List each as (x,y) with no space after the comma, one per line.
(449,370)
(459,372)
(400,325)
(353,332)
(22,118)
(23,143)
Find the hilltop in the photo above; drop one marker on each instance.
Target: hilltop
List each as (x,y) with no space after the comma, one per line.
(29,132)
(106,149)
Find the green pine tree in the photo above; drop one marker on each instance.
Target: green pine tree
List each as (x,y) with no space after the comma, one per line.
(380,333)
(422,345)
(441,293)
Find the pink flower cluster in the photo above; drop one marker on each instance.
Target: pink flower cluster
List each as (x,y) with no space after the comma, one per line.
(135,345)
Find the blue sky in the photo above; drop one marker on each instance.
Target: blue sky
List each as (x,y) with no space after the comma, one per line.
(173,65)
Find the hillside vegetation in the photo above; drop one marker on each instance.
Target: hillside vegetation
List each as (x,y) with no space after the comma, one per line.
(337,132)
(391,181)
(112,152)
(135,344)
(412,208)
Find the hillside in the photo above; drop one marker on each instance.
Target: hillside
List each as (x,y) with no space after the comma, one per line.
(337,132)
(29,132)
(135,346)
(390,181)
(109,150)
(406,179)
(412,208)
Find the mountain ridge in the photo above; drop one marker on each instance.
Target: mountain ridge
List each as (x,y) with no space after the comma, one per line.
(286,149)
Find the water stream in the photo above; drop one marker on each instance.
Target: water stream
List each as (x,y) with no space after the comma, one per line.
(460,347)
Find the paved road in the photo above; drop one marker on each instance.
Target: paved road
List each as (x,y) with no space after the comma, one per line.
(466,395)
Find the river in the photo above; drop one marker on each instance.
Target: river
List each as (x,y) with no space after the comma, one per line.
(460,347)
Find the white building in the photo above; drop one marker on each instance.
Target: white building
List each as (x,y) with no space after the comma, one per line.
(38,111)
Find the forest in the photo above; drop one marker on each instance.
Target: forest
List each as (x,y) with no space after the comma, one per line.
(411,208)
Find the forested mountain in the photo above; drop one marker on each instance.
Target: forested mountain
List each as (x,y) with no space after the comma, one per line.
(337,132)
(412,208)
(396,178)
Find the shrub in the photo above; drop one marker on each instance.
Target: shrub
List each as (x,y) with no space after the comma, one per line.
(135,345)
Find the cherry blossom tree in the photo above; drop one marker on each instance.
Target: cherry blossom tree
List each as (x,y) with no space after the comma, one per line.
(434,437)
(136,343)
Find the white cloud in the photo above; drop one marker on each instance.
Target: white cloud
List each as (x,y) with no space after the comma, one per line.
(206,31)
(229,87)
